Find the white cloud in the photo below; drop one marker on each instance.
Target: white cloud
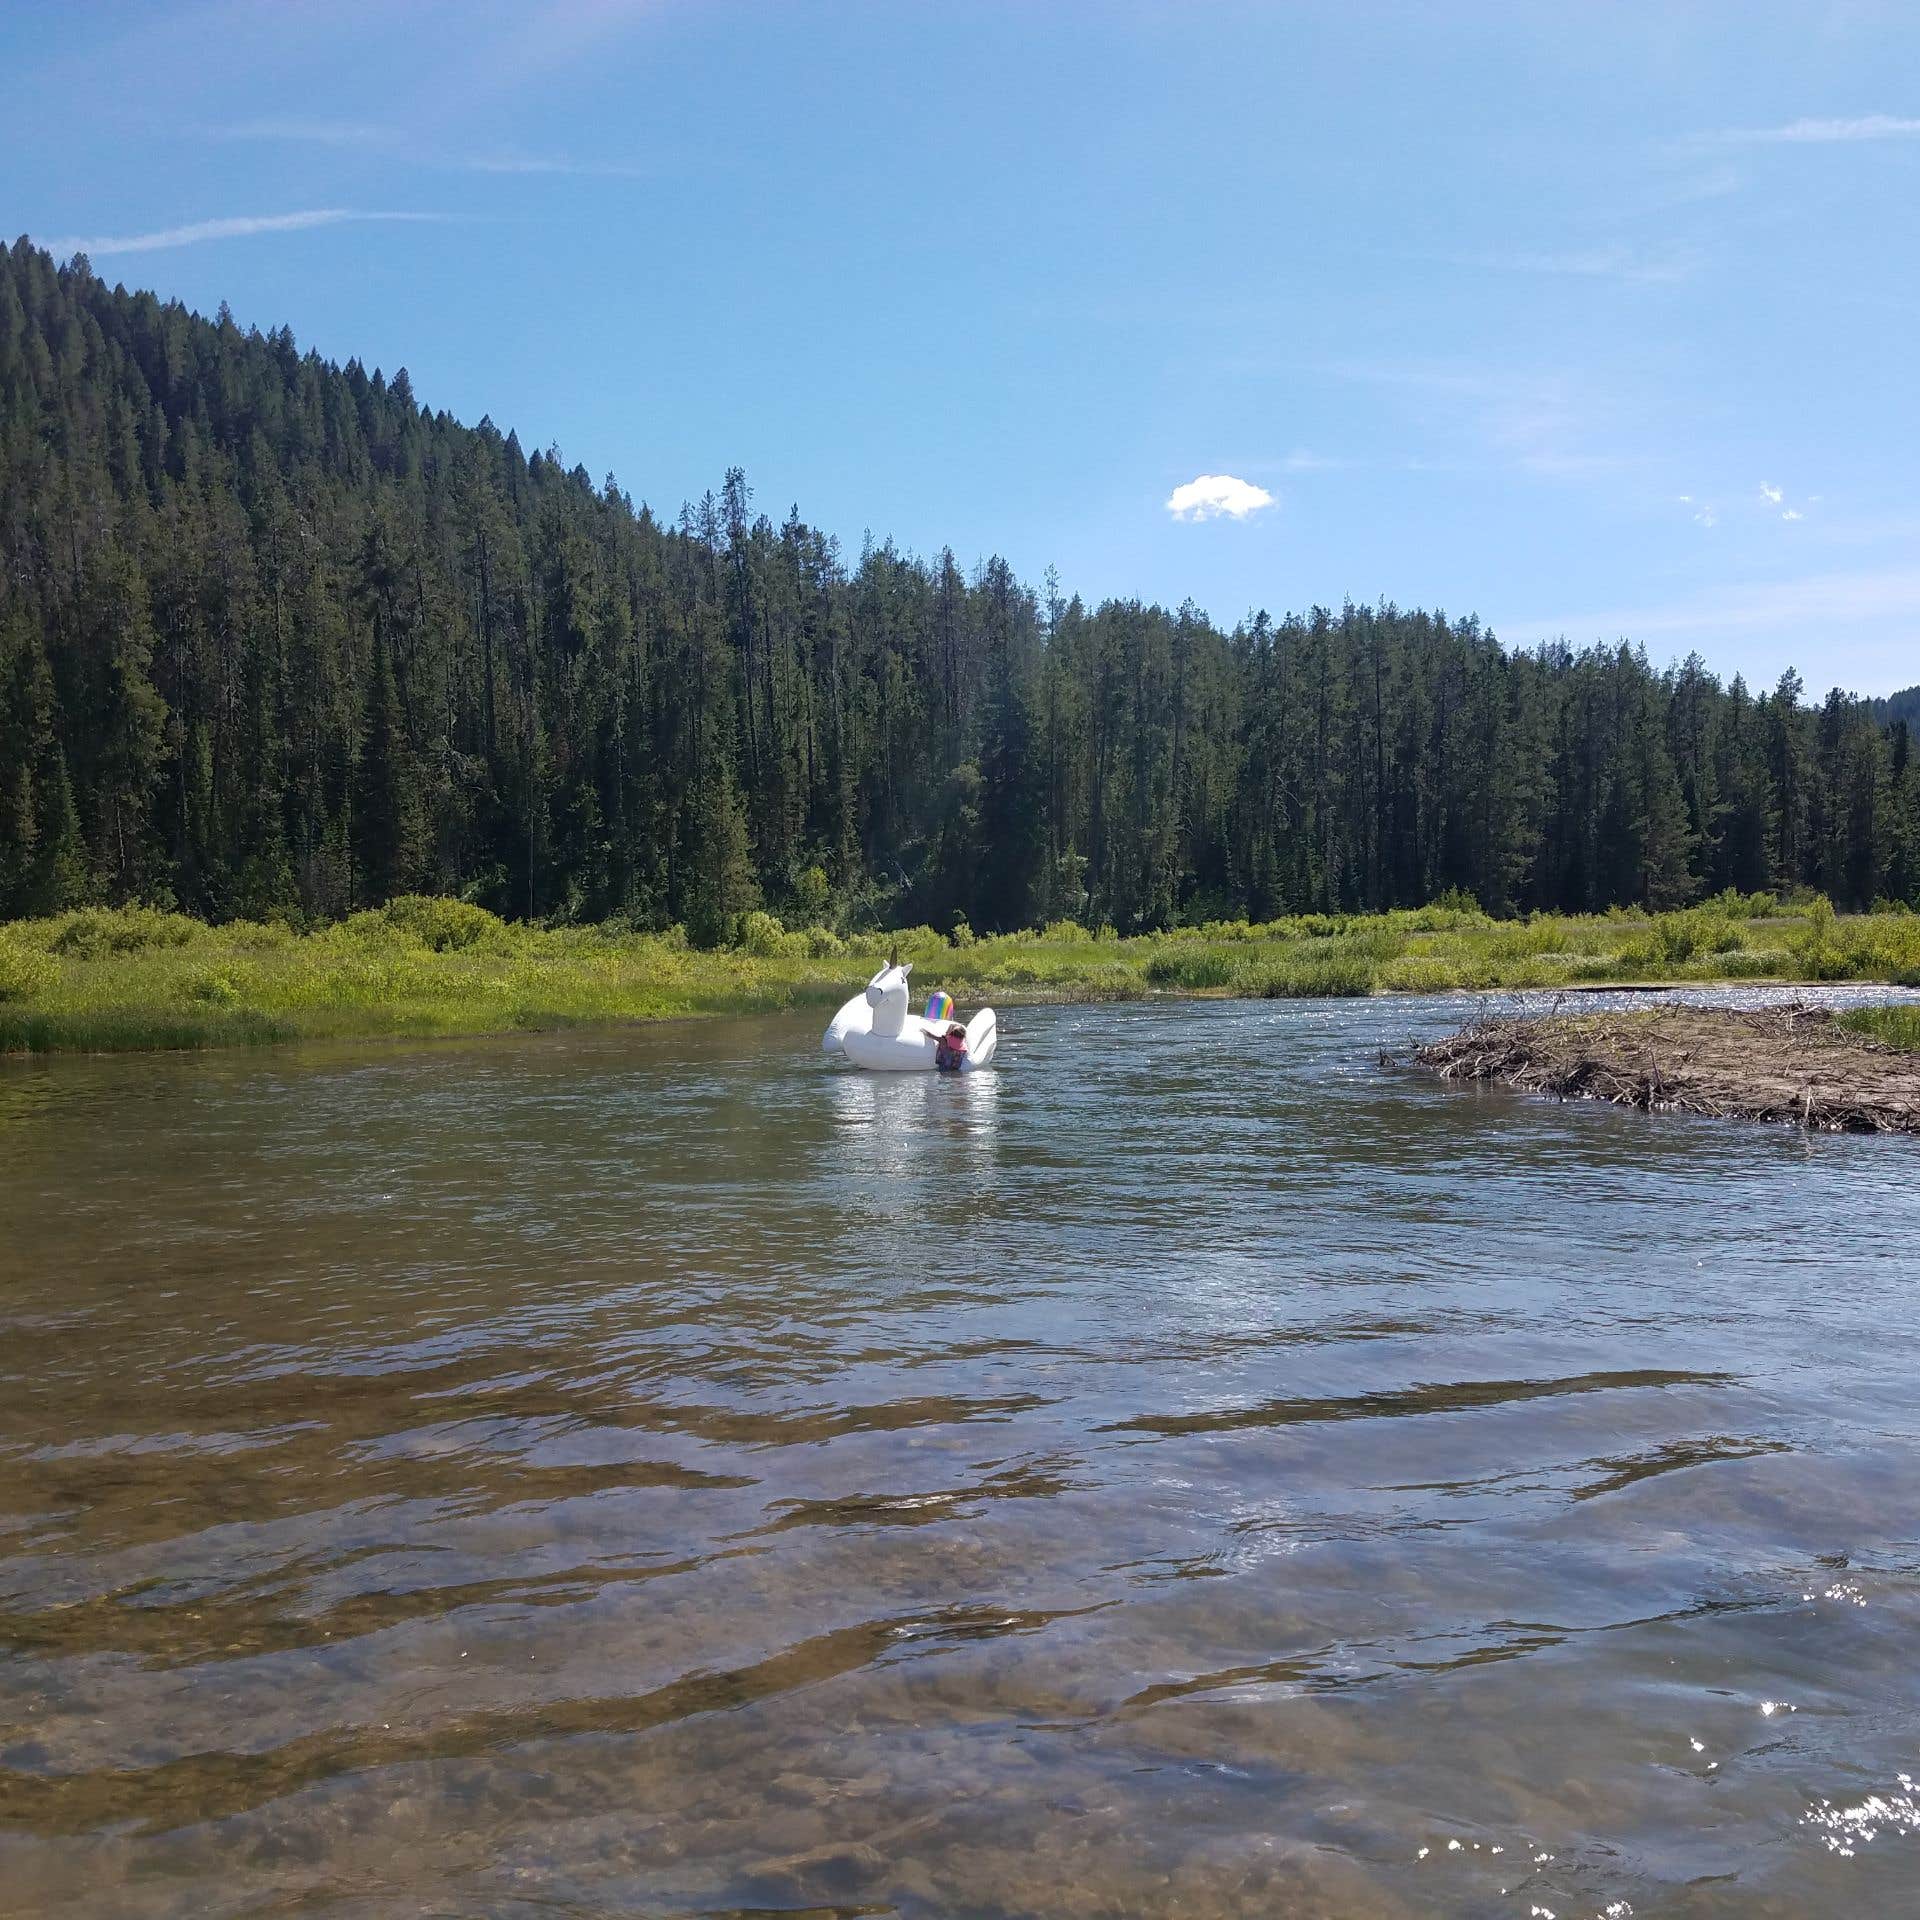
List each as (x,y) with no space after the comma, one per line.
(1799,133)
(1771,495)
(1213,494)
(1793,513)
(233,229)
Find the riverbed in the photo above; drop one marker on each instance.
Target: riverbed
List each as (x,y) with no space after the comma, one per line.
(1185,1470)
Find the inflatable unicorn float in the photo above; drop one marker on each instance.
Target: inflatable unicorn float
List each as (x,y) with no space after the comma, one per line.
(875,1031)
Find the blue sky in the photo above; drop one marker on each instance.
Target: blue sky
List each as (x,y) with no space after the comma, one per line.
(1592,318)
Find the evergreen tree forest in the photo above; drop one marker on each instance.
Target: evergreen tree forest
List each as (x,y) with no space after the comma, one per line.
(278,639)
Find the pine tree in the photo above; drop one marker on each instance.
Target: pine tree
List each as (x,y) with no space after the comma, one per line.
(389,828)
(1012,817)
(127,723)
(721,885)
(1666,837)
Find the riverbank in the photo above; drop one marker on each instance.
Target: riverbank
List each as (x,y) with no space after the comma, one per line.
(134,979)
(1793,1063)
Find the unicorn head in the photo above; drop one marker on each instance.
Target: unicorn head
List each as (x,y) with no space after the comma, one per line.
(887,996)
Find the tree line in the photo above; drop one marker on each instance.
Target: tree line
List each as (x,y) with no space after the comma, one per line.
(276,639)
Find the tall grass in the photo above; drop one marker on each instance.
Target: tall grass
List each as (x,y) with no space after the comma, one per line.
(138,978)
(1891,1026)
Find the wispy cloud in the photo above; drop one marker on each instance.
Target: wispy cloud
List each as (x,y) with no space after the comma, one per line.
(1713,180)
(241,227)
(1542,423)
(1590,263)
(1813,604)
(1767,501)
(316,133)
(1211,495)
(1818,133)
(365,137)
(1774,499)
(534,163)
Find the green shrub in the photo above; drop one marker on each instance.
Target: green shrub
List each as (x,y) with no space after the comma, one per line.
(1366,942)
(1193,968)
(1885,949)
(1761,965)
(1066,933)
(1524,939)
(1592,968)
(1732,904)
(812,894)
(1419,974)
(1452,912)
(1814,945)
(1310,976)
(444,926)
(213,986)
(24,971)
(1484,974)
(760,934)
(369,929)
(1680,937)
(259,936)
(1673,940)
(917,943)
(97,932)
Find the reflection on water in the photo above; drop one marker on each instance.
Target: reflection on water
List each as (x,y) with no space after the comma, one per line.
(1185,1470)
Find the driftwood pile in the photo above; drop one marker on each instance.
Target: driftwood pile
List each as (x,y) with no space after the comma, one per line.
(1778,1063)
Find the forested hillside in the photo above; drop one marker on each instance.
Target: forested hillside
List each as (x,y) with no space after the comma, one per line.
(1904,705)
(277,638)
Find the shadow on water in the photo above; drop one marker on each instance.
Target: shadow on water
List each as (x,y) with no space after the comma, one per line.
(1183,1471)
(1454,1396)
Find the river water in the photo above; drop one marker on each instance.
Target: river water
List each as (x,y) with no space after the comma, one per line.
(1186,1470)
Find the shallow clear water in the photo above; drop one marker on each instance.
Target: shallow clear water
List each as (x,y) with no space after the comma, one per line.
(1185,1470)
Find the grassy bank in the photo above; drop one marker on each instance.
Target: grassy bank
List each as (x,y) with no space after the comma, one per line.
(134,978)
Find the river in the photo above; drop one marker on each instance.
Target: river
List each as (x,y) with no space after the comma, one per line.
(1186,1470)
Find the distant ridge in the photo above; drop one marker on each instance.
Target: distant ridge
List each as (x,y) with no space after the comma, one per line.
(1904,705)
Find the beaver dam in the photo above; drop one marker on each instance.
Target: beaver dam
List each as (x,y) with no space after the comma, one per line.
(1777,1063)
